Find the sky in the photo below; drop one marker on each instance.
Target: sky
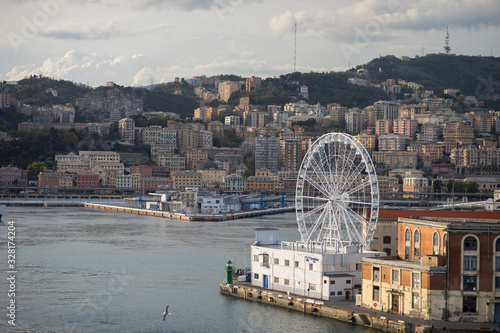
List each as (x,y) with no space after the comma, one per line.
(139,42)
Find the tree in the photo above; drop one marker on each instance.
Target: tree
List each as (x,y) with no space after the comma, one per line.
(36,167)
(472,187)
(70,138)
(247,173)
(438,185)
(250,162)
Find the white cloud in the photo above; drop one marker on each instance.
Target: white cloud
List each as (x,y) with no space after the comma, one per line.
(281,24)
(381,19)
(94,68)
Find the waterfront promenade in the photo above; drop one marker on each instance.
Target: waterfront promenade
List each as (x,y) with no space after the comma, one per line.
(347,311)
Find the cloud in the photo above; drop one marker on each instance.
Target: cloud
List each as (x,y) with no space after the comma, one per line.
(85,32)
(107,31)
(94,68)
(281,24)
(381,20)
(189,5)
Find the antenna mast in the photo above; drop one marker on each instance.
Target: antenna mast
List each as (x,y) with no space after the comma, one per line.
(295,48)
(447,47)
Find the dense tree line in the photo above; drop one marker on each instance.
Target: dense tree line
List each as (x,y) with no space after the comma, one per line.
(474,76)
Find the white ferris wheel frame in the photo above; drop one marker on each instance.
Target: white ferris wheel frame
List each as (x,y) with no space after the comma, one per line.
(344,208)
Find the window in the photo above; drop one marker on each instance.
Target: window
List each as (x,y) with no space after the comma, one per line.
(497,245)
(297,264)
(332,282)
(376,274)
(497,264)
(310,267)
(276,261)
(375,295)
(470,244)
(470,283)
(407,235)
(387,251)
(415,301)
(347,281)
(445,243)
(469,304)
(265,260)
(407,244)
(415,279)
(416,240)
(256,276)
(395,276)
(339,293)
(332,293)
(497,282)
(287,262)
(470,263)
(276,280)
(286,282)
(256,257)
(387,239)
(435,243)
(312,286)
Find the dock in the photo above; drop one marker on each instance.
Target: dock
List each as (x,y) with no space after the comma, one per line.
(348,312)
(43,204)
(189,217)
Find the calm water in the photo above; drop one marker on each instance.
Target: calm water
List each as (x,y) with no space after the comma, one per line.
(83,270)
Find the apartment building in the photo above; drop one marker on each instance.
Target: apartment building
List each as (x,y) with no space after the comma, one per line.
(429,282)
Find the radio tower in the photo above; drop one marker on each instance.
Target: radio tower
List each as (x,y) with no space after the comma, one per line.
(447,47)
(295,48)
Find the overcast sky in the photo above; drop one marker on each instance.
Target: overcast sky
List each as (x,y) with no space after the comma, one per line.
(134,42)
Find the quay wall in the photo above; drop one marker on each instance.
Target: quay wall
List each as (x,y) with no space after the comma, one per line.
(196,217)
(138,211)
(315,307)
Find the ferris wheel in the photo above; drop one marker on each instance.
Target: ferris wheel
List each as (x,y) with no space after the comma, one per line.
(337,195)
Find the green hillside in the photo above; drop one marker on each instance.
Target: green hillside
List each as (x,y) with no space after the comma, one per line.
(474,76)
(34,91)
(323,88)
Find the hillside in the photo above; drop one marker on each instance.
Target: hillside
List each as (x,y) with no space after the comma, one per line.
(323,88)
(474,76)
(36,91)
(162,98)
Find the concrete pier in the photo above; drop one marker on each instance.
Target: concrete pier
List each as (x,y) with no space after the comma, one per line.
(347,312)
(138,211)
(191,217)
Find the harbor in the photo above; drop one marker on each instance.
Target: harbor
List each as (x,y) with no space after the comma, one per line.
(347,311)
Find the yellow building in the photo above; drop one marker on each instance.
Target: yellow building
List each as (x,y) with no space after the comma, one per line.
(187,179)
(461,133)
(126,129)
(171,161)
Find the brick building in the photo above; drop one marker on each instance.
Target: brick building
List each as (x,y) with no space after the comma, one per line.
(446,269)
(86,180)
(12,176)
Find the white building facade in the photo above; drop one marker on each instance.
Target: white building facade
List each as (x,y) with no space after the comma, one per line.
(309,269)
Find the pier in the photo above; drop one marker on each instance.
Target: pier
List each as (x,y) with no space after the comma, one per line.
(190,217)
(348,312)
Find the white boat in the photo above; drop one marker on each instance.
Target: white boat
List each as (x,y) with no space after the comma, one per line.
(2,208)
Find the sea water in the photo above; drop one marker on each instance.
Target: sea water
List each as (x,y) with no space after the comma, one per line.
(89,270)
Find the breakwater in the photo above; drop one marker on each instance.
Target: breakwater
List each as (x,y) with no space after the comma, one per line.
(189,217)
